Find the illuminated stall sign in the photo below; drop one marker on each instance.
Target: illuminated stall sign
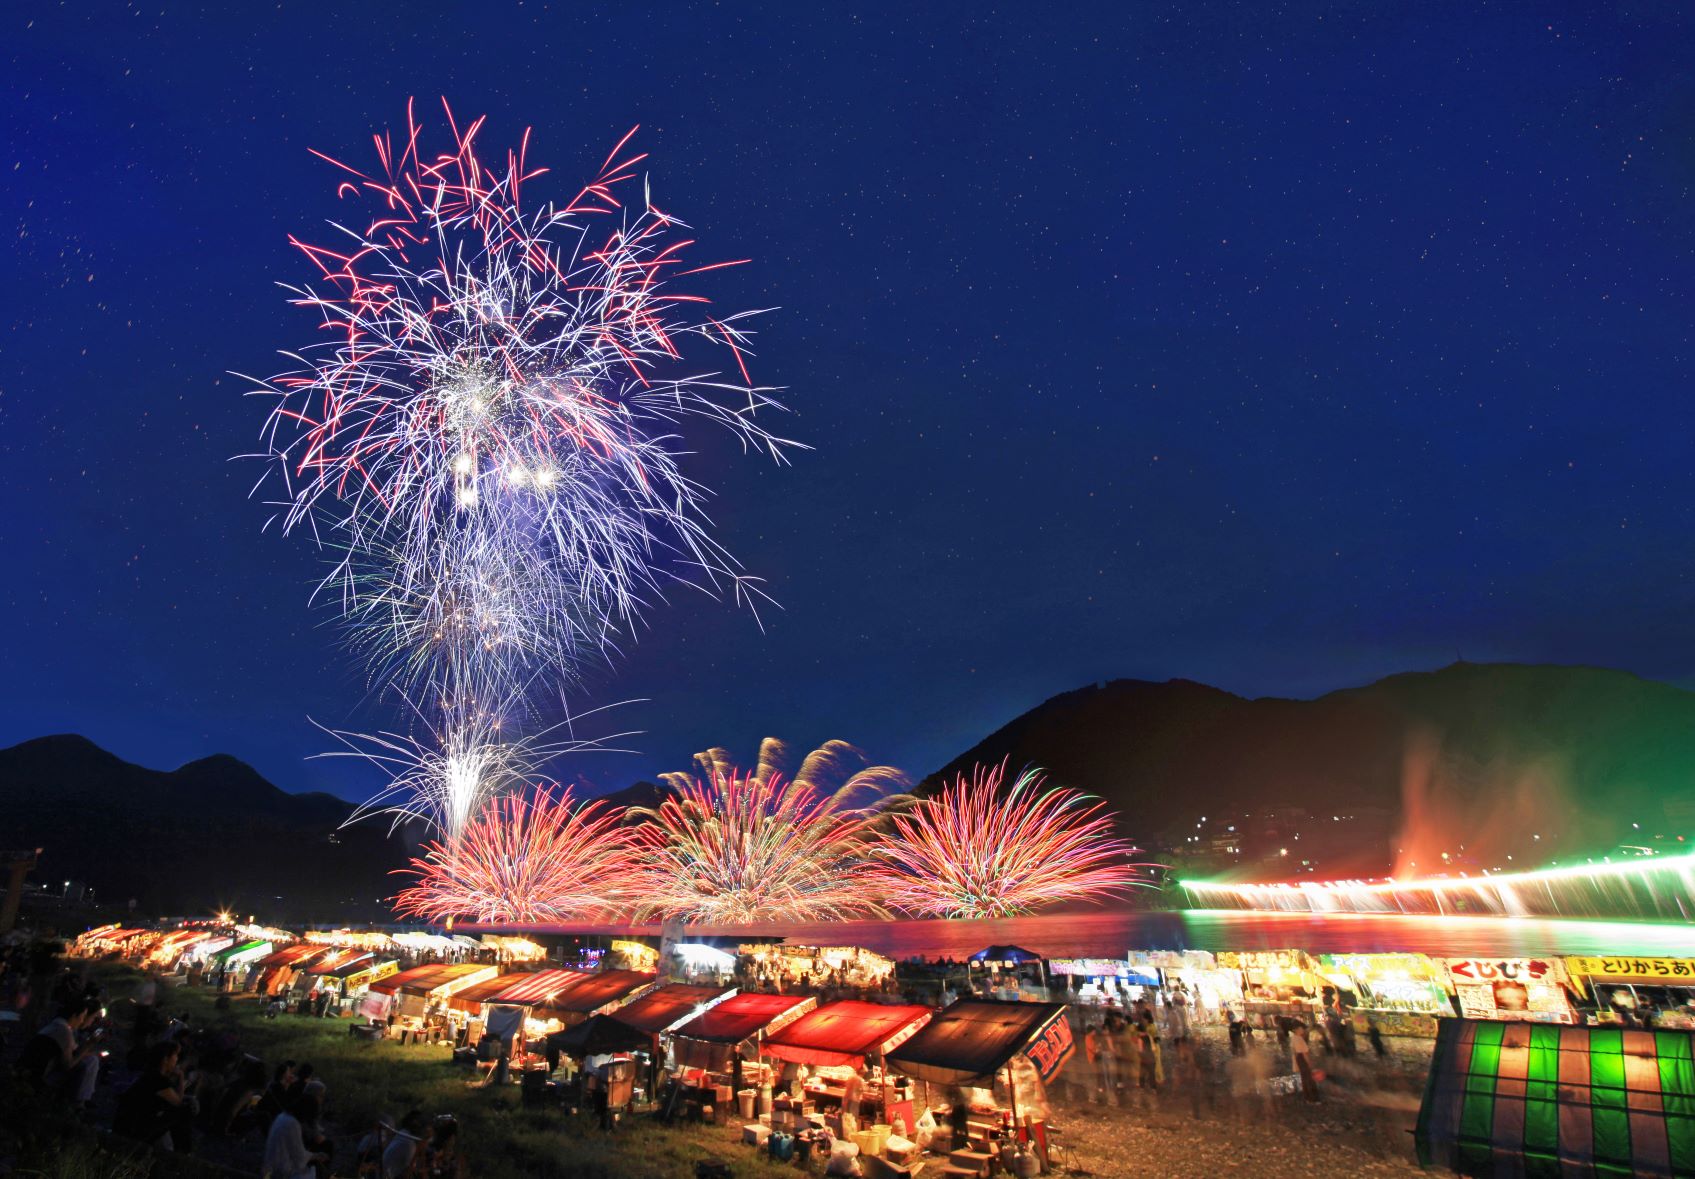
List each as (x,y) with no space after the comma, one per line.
(1130,973)
(1051,1049)
(1662,972)
(1510,988)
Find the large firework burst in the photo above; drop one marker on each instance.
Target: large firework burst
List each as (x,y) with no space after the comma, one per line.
(740,848)
(976,850)
(537,858)
(490,441)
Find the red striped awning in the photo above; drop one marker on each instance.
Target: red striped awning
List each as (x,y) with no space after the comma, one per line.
(663,1009)
(425,980)
(845,1032)
(472,997)
(598,990)
(540,989)
(735,1019)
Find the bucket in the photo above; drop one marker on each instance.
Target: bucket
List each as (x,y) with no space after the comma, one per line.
(745,1099)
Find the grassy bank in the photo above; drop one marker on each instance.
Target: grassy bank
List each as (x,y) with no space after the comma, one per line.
(500,1138)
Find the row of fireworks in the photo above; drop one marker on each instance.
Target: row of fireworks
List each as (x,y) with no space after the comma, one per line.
(735,848)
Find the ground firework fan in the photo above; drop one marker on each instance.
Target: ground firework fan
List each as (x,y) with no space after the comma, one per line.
(976,850)
(540,858)
(735,849)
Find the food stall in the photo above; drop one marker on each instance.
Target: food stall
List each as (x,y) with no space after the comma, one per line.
(535,994)
(1660,991)
(1210,992)
(716,1049)
(1529,989)
(595,994)
(1106,982)
(1516,1098)
(1003,1055)
(276,971)
(698,961)
(839,1040)
(666,1007)
(817,966)
(229,965)
(1276,984)
(511,950)
(1401,994)
(417,997)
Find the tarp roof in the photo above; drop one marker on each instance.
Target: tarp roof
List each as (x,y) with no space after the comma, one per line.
(976,1037)
(542,987)
(470,997)
(423,980)
(663,1009)
(343,966)
(1006,954)
(249,947)
(845,1032)
(328,963)
(597,990)
(599,1035)
(293,955)
(737,1018)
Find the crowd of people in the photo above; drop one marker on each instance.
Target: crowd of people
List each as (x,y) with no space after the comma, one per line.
(169,1084)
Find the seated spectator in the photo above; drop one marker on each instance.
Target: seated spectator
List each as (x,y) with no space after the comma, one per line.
(441,1153)
(402,1148)
(153,1109)
(286,1156)
(53,1057)
(235,1107)
(275,1098)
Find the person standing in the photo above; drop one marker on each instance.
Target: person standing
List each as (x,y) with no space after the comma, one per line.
(1300,1049)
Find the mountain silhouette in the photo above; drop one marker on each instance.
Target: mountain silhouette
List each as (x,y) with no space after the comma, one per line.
(212,835)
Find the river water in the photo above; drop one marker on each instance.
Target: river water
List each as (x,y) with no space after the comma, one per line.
(1111,935)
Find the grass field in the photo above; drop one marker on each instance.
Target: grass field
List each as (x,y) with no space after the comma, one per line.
(500,1138)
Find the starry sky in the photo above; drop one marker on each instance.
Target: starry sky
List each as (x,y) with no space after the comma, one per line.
(1274,346)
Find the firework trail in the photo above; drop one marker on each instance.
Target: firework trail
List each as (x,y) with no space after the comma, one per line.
(974,850)
(490,441)
(836,770)
(543,858)
(737,849)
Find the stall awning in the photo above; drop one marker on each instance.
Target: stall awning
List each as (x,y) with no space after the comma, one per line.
(734,1020)
(974,1039)
(240,949)
(472,997)
(846,1033)
(663,1009)
(542,988)
(344,966)
(438,976)
(1518,1098)
(290,956)
(598,990)
(329,961)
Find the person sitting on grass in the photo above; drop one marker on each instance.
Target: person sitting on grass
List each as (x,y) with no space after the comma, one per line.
(402,1149)
(53,1056)
(441,1153)
(286,1156)
(275,1098)
(152,1109)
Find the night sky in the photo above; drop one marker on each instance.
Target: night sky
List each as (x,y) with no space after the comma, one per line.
(1275,347)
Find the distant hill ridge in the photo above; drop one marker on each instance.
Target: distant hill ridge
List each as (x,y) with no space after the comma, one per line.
(1466,753)
(209,835)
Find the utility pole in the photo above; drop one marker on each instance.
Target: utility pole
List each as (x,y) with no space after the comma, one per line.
(16,865)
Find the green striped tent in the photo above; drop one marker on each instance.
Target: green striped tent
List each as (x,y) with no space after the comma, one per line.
(1540,1099)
